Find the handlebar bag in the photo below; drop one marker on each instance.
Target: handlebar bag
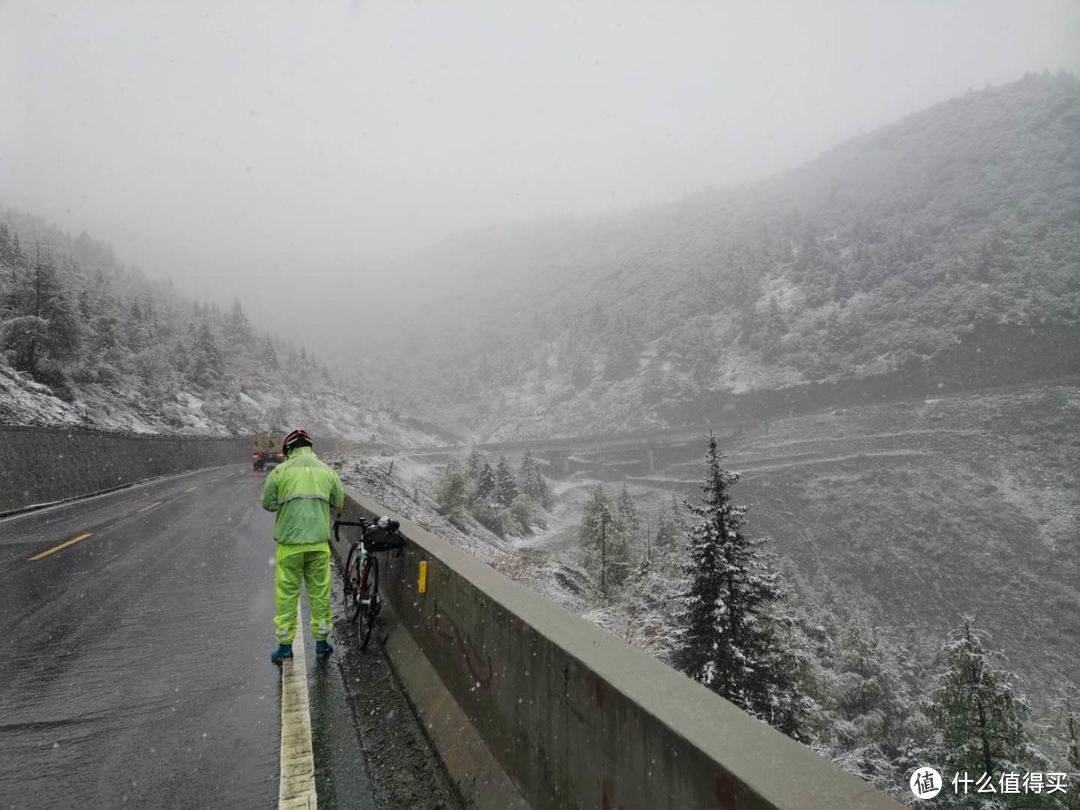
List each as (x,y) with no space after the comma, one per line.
(379,539)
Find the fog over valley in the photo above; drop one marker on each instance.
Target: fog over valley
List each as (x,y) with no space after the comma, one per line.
(242,149)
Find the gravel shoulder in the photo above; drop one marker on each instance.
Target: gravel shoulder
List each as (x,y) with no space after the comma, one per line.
(403,768)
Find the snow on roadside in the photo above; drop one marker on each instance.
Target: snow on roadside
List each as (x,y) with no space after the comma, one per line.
(121,407)
(539,561)
(25,402)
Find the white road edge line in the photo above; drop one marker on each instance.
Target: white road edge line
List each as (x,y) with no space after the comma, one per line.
(296,791)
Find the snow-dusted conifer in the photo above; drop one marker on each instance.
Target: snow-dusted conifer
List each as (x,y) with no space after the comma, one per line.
(505,485)
(485,484)
(450,491)
(977,711)
(527,475)
(43,325)
(603,536)
(475,464)
(238,330)
(730,630)
(532,481)
(207,364)
(540,486)
(1072,733)
(1069,747)
(268,355)
(666,530)
(628,512)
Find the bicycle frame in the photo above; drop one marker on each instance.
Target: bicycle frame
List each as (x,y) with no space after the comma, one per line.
(361,583)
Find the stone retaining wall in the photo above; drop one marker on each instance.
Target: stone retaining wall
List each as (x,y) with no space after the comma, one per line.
(42,465)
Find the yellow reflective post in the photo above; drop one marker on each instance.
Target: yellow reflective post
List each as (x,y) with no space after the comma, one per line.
(421,584)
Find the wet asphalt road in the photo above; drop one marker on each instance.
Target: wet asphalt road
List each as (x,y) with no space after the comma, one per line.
(136,669)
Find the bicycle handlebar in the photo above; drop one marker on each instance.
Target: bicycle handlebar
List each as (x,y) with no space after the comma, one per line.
(366,526)
(339,523)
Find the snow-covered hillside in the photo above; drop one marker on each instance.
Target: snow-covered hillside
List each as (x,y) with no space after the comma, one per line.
(120,407)
(85,341)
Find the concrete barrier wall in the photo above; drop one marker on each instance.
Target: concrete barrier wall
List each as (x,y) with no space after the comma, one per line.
(42,465)
(575,717)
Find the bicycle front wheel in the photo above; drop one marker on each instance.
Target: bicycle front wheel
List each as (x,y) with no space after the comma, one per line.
(369,601)
(352,584)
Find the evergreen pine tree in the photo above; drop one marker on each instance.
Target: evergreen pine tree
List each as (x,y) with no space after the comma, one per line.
(869,723)
(1069,718)
(7,255)
(547,497)
(268,355)
(666,531)
(628,512)
(505,485)
(527,475)
(206,366)
(532,481)
(1072,732)
(603,536)
(450,491)
(645,562)
(105,332)
(136,330)
(238,330)
(484,490)
(977,712)
(521,512)
(43,325)
(475,464)
(731,637)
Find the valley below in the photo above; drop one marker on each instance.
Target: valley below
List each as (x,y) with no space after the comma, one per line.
(925,511)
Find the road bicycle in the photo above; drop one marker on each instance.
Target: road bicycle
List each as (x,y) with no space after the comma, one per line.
(361,578)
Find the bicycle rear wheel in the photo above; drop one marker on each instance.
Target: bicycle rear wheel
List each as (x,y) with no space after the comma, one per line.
(368,600)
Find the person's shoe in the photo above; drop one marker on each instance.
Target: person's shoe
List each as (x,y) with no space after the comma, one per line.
(323,649)
(282,653)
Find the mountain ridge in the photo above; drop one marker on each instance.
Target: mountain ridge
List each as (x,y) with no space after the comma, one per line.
(881,255)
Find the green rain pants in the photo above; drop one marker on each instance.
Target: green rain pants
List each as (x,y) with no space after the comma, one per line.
(293,567)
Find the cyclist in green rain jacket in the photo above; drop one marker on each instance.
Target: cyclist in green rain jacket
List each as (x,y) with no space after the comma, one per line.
(301,491)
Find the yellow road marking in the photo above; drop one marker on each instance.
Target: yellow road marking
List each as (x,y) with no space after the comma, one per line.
(151,506)
(190,489)
(55,549)
(297,786)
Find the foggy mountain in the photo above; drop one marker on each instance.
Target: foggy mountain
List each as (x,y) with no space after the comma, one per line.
(894,325)
(89,342)
(939,247)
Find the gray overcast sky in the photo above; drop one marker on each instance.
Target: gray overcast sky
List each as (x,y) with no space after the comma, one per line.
(223,142)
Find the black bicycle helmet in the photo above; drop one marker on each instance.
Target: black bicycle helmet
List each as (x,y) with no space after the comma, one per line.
(298,438)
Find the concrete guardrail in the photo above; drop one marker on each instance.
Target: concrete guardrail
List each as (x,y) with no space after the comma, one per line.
(531,706)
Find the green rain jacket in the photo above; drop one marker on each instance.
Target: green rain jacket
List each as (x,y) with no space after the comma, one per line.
(301,491)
